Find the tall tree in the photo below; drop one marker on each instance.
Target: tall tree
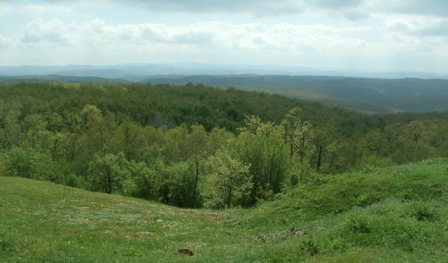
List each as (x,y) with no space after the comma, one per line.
(229,181)
(196,148)
(108,172)
(261,146)
(290,125)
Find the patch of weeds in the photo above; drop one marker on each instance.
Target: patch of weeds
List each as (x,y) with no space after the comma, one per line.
(285,234)
(7,244)
(423,212)
(359,224)
(320,181)
(338,243)
(364,200)
(311,246)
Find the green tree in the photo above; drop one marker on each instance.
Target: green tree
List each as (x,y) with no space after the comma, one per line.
(261,146)
(196,149)
(12,130)
(98,129)
(147,181)
(35,131)
(229,180)
(109,172)
(177,185)
(290,124)
(130,140)
(29,164)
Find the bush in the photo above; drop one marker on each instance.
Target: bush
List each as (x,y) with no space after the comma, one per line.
(423,212)
(359,224)
(29,164)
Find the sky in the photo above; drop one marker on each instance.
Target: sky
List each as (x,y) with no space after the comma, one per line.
(349,35)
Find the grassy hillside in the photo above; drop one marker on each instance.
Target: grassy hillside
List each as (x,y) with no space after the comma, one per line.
(393,214)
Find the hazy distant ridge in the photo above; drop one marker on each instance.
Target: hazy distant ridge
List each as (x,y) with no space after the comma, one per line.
(384,95)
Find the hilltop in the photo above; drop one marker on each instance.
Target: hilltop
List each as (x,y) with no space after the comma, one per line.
(391,214)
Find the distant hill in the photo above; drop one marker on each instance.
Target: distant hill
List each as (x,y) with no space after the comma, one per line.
(55,78)
(136,72)
(365,94)
(372,93)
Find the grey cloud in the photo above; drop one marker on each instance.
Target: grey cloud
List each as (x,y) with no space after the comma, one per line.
(351,9)
(337,4)
(43,31)
(354,8)
(36,38)
(434,29)
(194,38)
(432,7)
(257,7)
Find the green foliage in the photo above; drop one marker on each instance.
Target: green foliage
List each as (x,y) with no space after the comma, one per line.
(359,224)
(229,181)
(109,173)
(178,186)
(261,146)
(155,141)
(29,164)
(423,212)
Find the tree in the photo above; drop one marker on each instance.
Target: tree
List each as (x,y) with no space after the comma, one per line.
(98,129)
(108,172)
(28,164)
(326,148)
(290,124)
(178,185)
(129,140)
(262,147)
(229,180)
(196,149)
(147,182)
(35,131)
(10,113)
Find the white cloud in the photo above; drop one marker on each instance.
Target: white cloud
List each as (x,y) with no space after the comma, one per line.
(7,42)
(44,9)
(418,25)
(208,37)
(50,31)
(320,33)
(5,9)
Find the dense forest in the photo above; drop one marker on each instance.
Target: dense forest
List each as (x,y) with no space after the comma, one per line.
(364,94)
(196,146)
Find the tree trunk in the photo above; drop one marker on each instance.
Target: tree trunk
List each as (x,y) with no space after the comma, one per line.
(196,180)
(229,198)
(319,157)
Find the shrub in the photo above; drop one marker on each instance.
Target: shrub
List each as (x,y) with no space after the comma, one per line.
(423,212)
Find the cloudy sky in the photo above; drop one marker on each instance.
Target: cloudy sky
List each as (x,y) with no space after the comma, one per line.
(356,35)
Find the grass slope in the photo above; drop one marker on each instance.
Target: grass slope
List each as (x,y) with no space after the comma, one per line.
(395,214)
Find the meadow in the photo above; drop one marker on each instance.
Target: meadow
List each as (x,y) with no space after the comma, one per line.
(391,214)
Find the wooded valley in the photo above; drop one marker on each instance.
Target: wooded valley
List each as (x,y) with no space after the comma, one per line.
(196,146)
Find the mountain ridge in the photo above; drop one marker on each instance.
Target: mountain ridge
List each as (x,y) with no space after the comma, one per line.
(365,94)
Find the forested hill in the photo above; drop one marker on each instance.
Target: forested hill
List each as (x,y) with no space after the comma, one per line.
(370,95)
(366,94)
(192,145)
(166,105)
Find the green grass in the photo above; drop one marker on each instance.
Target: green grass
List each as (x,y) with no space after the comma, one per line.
(396,214)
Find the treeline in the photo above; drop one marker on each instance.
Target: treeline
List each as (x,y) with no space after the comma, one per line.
(193,146)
